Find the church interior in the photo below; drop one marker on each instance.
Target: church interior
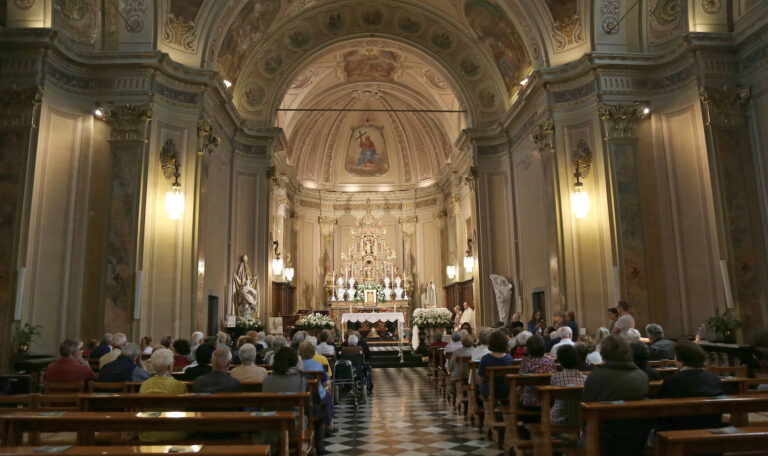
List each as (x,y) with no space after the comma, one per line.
(222,166)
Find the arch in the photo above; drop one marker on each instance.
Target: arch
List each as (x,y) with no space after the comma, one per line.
(444,36)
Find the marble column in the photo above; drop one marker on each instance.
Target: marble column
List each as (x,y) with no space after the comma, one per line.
(544,138)
(19,121)
(206,141)
(628,227)
(129,151)
(740,228)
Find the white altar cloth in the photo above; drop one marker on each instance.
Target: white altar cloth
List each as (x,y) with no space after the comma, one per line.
(373,317)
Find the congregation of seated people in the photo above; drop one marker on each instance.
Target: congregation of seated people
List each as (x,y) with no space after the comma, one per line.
(212,365)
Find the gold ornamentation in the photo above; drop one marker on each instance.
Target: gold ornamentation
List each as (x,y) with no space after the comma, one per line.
(470,180)
(711,6)
(582,159)
(205,137)
(724,105)
(179,32)
(568,31)
(128,121)
(544,136)
(169,160)
(620,119)
(18,106)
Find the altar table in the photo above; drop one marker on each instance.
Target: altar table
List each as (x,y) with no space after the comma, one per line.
(373,317)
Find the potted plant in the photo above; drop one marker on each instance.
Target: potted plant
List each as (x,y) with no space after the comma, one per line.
(724,325)
(24,335)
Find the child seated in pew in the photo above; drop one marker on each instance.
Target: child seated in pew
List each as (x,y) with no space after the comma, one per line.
(566,413)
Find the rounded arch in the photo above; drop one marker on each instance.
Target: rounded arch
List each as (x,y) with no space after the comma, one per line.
(445,36)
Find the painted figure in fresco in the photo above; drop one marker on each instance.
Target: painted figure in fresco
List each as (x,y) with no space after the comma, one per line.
(367,151)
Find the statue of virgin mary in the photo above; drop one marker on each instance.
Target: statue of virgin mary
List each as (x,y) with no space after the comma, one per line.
(430,298)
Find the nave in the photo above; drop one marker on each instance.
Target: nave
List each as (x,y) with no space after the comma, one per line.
(405,416)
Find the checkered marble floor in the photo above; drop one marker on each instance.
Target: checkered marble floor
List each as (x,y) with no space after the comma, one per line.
(407,417)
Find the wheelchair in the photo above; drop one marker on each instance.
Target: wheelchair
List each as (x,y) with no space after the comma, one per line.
(351,373)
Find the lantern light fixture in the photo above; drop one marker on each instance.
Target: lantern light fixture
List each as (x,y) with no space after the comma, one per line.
(289,271)
(171,165)
(450,271)
(469,260)
(277,262)
(582,160)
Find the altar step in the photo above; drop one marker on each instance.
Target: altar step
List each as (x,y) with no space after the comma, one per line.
(386,355)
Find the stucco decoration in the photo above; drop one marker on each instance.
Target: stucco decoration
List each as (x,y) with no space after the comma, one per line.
(495,29)
(609,16)
(370,64)
(711,6)
(133,11)
(180,33)
(79,20)
(568,29)
(24,4)
(246,30)
(665,19)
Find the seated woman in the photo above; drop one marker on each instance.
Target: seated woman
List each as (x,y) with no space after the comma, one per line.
(618,379)
(162,383)
(566,413)
(640,355)
(534,363)
(519,350)
(248,371)
(181,349)
(497,344)
(287,378)
(691,381)
(306,353)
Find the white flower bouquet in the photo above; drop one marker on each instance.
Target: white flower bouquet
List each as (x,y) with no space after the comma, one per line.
(432,318)
(249,324)
(316,321)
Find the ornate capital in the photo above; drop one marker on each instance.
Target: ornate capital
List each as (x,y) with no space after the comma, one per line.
(408,223)
(272,176)
(128,122)
(327,224)
(205,136)
(620,119)
(544,136)
(470,180)
(18,106)
(455,203)
(724,105)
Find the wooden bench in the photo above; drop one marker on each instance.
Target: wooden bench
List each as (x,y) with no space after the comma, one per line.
(703,441)
(490,404)
(514,412)
(474,411)
(87,423)
(734,371)
(738,407)
(461,386)
(152,450)
(662,363)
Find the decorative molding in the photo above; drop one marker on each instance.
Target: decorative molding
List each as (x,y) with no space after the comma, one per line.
(576,93)
(711,6)
(609,11)
(724,105)
(133,12)
(567,32)
(206,137)
(179,32)
(620,119)
(169,159)
(128,121)
(18,107)
(544,137)
(176,95)
(582,159)
(24,4)
(327,224)
(425,203)
(470,179)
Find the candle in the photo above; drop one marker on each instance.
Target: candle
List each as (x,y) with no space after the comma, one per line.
(726,284)
(19,293)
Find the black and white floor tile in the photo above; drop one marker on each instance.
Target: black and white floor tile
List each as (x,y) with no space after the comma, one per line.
(405,417)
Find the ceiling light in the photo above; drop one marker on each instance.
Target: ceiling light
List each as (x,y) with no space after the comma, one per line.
(98,112)
(646,110)
(227,83)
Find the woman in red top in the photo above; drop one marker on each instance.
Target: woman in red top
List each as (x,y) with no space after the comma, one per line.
(181,349)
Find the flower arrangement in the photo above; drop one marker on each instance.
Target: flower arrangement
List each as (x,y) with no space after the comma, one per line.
(316,321)
(249,324)
(360,294)
(432,318)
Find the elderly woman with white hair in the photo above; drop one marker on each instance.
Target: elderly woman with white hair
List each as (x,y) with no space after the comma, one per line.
(194,341)
(633,335)
(248,371)
(518,351)
(162,383)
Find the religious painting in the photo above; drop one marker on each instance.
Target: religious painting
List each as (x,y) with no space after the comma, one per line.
(367,152)
(493,27)
(276,325)
(370,64)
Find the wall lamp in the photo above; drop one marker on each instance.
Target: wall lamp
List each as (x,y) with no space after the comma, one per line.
(171,164)
(450,271)
(277,262)
(469,260)
(582,160)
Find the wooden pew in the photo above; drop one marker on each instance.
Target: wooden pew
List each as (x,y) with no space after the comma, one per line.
(462,385)
(445,378)
(152,450)
(734,371)
(513,412)
(657,364)
(87,423)
(738,407)
(703,441)
(474,411)
(490,425)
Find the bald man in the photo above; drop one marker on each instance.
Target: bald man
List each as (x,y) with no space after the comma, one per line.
(218,380)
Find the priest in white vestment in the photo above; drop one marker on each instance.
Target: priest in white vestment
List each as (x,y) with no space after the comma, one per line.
(468,316)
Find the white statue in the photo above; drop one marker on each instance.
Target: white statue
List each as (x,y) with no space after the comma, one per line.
(352,290)
(430,299)
(503,290)
(398,289)
(246,290)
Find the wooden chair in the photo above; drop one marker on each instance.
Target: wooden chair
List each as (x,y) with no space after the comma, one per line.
(728,371)
(494,404)
(699,441)
(107,387)
(737,406)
